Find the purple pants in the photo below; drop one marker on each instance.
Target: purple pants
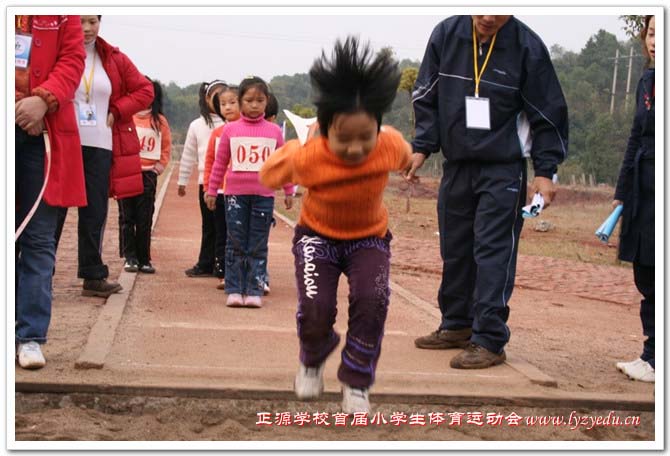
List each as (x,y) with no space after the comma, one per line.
(319,262)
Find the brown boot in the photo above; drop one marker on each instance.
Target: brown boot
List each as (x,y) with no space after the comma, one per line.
(100,288)
(476,357)
(445,338)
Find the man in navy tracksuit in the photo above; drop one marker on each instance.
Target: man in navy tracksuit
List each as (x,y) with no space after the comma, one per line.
(488,97)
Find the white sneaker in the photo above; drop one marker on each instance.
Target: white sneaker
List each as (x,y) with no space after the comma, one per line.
(30,356)
(309,381)
(642,372)
(355,399)
(624,366)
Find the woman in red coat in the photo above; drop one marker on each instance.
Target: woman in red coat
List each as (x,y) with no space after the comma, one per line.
(49,63)
(110,92)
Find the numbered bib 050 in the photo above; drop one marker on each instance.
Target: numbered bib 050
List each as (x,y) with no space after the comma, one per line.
(150,143)
(249,154)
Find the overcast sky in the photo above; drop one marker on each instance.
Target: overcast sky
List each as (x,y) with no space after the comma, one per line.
(189,49)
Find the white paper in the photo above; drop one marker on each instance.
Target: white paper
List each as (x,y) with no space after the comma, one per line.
(477,113)
(534,208)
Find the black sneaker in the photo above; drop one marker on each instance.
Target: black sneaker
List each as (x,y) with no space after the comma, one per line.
(147,268)
(197,271)
(131,265)
(100,287)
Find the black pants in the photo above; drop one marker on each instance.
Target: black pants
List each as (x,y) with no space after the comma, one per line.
(221,235)
(135,216)
(644,281)
(208,239)
(93,217)
(479,218)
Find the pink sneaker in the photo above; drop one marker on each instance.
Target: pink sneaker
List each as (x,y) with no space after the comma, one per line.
(235,300)
(253,302)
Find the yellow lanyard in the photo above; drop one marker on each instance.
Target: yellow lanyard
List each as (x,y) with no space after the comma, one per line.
(478,74)
(88,83)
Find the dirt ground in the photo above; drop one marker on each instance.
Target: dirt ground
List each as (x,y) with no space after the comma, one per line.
(575,339)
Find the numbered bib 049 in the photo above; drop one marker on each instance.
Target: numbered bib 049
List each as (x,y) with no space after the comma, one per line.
(249,154)
(150,143)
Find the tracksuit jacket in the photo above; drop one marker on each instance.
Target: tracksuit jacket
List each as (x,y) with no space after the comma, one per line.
(529,115)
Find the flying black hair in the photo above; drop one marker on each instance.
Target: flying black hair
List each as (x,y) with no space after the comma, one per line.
(353,81)
(272,108)
(217,102)
(156,105)
(202,100)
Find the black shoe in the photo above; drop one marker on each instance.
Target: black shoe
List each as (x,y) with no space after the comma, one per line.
(131,265)
(147,268)
(100,287)
(197,271)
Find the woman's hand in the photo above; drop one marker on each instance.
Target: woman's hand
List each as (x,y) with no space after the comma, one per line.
(616,203)
(30,113)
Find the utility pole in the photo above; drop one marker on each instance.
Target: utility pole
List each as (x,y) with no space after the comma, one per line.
(630,67)
(616,67)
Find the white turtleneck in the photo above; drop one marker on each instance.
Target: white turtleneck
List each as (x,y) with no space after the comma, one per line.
(98,135)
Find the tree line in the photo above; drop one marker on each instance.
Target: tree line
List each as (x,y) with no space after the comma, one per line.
(598,138)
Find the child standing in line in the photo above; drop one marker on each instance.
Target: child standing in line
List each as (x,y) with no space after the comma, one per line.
(245,145)
(227,107)
(136,213)
(343,226)
(195,147)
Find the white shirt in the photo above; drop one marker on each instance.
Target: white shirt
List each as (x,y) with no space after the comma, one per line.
(98,135)
(195,148)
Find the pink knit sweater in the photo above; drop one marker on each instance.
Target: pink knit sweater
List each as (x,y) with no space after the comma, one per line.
(247,143)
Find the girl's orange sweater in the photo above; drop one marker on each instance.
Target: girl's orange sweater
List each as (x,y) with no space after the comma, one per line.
(151,145)
(210,155)
(343,201)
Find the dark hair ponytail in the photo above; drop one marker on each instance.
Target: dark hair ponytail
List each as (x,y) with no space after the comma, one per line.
(156,106)
(352,80)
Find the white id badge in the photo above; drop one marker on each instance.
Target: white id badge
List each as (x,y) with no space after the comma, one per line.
(22,46)
(87,115)
(477,113)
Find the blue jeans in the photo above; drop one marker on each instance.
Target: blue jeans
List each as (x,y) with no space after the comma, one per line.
(36,247)
(248,219)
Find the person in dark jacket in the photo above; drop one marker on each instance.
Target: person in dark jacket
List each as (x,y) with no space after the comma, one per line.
(635,190)
(110,92)
(488,97)
(49,171)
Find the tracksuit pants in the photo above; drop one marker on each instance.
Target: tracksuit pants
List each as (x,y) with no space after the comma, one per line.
(479,218)
(135,217)
(644,280)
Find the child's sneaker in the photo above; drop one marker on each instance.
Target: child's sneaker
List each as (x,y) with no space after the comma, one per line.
(235,300)
(642,372)
(131,265)
(254,302)
(308,382)
(147,269)
(221,285)
(30,356)
(266,289)
(355,400)
(624,366)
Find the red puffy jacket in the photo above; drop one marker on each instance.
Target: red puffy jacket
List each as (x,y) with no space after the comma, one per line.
(131,93)
(57,63)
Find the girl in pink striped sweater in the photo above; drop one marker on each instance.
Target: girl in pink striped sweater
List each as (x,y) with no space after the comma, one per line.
(244,147)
